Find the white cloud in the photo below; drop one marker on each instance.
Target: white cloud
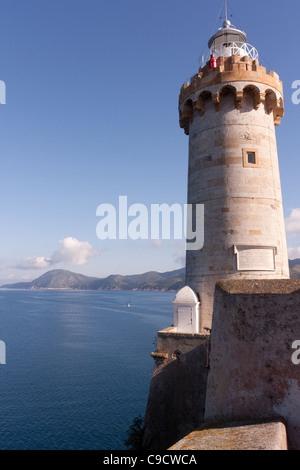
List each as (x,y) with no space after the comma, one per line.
(34,263)
(292,223)
(294,253)
(72,252)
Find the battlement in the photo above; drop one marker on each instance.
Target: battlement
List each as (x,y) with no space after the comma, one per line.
(230,69)
(232,74)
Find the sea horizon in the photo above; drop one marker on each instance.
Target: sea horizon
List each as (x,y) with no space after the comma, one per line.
(78,365)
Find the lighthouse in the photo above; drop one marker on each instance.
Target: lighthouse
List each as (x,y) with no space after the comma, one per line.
(227,356)
(229,110)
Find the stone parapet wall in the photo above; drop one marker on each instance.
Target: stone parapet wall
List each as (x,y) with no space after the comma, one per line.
(238,75)
(177,393)
(237,436)
(230,69)
(252,374)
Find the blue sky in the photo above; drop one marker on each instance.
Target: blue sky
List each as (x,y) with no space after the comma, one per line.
(91,113)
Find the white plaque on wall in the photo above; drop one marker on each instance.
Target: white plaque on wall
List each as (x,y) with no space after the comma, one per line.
(255,258)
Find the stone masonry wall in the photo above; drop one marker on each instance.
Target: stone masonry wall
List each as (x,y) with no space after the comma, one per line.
(177,392)
(242,202)
(252,375)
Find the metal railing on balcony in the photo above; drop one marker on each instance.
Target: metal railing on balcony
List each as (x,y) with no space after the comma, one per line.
(241,49)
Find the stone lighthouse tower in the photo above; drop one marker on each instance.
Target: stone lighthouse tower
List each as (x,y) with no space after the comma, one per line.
(229,110)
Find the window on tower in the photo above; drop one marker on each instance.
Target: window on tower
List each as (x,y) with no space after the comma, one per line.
(250,158)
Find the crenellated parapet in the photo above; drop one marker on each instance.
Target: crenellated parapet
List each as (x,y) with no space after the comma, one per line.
(238,75)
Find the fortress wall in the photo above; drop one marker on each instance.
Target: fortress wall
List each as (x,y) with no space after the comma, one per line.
(252,375)
(177,392)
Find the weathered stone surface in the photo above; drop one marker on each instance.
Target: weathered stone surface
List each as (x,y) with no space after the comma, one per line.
(252,374)
(221,177)
(261,286)
(230,69)
(177,393)
(262,436)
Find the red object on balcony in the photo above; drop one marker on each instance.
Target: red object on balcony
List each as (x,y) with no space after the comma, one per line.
(213,62)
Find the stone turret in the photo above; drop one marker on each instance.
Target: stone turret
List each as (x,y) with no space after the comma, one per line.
(229,110)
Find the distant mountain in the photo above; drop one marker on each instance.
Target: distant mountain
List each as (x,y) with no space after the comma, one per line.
(62,279)
(295,268)
(150,281)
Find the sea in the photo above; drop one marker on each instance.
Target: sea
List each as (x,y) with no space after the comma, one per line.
(78,366)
